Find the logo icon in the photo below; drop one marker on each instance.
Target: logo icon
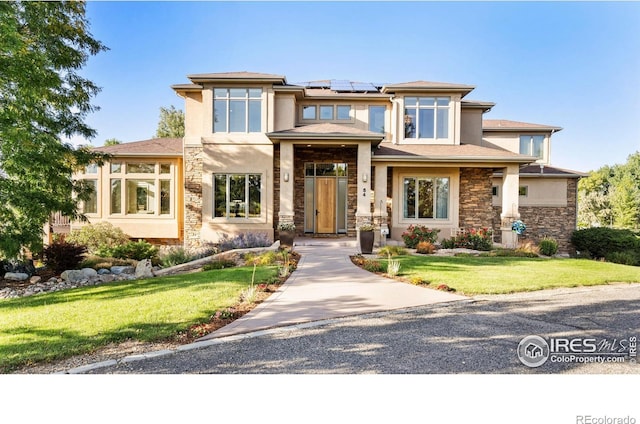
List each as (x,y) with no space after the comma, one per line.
(533,351)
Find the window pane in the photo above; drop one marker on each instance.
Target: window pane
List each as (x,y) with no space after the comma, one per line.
(238,92)
(442,123)
(237,193)
(410,101)
(426,123)
(309,169)
(309,207)
(91,169)
(141,168)
(237,116)
(525,145)
(91,205)
(344,112)
(427,101)
(409,198)
(325,169)
(220,196)
(141,196)
(523,190)
(116,167)
(165,168)
(376,119)
(425,198)
(342,205)
(443,101)
(442,198)
(341,169)
(165,197)
(255,196)
(255,116)
(538,141)
(220,116)
(255,93)
(326,112)
(220,93)
(116,196)
(410,123)
(309,112)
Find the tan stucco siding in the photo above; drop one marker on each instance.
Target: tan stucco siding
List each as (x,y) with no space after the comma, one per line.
(237,158)
(511,141)
(540,192)
(471,126)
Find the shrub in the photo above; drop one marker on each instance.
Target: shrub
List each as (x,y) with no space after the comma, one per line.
(175,256)
(627,257)
(528,247)
(392,251)
(425,247)
(137,250)
(263,259)
(243,241)
(418,281)
(509,253)
(601,241)
(97,262)
(548,246)
(100,236)
(220,264)
(417,233)
(476,239)
(372,266)
(60,256)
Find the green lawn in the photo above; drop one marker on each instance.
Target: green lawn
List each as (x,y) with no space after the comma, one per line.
(492,275)
(62,324)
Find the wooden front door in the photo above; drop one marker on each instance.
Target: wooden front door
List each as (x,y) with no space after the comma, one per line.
(325,205)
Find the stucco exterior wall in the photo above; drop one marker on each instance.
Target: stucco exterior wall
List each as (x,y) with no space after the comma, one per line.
(511,141)
(540,192)
(471,126)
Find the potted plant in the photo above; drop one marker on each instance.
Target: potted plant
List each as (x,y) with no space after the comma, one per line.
(366,238)
(287,233)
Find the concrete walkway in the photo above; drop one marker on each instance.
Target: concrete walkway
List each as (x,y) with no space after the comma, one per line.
(327,285)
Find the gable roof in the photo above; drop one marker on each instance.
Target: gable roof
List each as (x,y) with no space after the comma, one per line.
(152,147)
(506,125)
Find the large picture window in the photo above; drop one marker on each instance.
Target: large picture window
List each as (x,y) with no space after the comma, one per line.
(532,145)
(142,189)
(376,119)
(237,110)
(426,117)
(237,196)
(426,198)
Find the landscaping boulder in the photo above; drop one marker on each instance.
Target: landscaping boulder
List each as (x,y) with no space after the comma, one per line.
(103,271)
(122,270)
(89,273)
(74,276)
(16,276)
(144,269)
(35,279)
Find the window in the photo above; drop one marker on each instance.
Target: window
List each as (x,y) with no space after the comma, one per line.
(523,191)
(141,188)
(426,117)
(343,112)
(91,204)
(308,112)
(376,119)
(237,110)
(91,169)
(426,198)
(326,112)
(532,145)
(237,195)
(494,190)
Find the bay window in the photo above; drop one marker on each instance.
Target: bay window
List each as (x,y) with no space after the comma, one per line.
(237,196)
(426,198)
(141,188)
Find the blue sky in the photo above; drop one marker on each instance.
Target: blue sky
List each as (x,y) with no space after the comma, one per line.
(572,64)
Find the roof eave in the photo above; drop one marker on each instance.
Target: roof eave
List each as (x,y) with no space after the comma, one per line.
(321,136)
(463,159)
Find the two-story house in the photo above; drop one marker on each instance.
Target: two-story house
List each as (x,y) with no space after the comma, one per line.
(329,156)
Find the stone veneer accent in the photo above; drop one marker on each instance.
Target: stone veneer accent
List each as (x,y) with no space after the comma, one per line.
(304,155)
(541,221)
(475,198)
(193,167)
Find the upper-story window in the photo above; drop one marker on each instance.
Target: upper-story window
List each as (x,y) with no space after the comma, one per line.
(532,145)
(326,112)
(376,119)
(237,110)
(426,117)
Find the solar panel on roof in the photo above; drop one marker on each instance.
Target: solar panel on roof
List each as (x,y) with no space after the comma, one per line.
(363,86)
(341,85)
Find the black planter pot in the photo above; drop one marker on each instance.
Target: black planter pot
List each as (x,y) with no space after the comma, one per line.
(366,242)
(286,238)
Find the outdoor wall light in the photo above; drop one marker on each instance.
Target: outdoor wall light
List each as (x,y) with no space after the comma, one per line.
(286,177)
(365,177)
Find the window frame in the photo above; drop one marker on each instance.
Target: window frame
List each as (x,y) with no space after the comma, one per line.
(228,112)
(228,216)
(94,197)
(421,104)
(523,191)
(317,116)
(370,120)
(435,202)
(531,145)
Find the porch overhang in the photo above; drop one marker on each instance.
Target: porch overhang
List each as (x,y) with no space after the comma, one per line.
(332,133)
(451,154)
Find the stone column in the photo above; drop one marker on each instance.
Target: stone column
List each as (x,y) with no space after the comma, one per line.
(286,213)
(380,204)
(193,167)
(510,205)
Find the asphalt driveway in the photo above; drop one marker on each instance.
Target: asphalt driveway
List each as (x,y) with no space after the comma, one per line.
(479,335)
